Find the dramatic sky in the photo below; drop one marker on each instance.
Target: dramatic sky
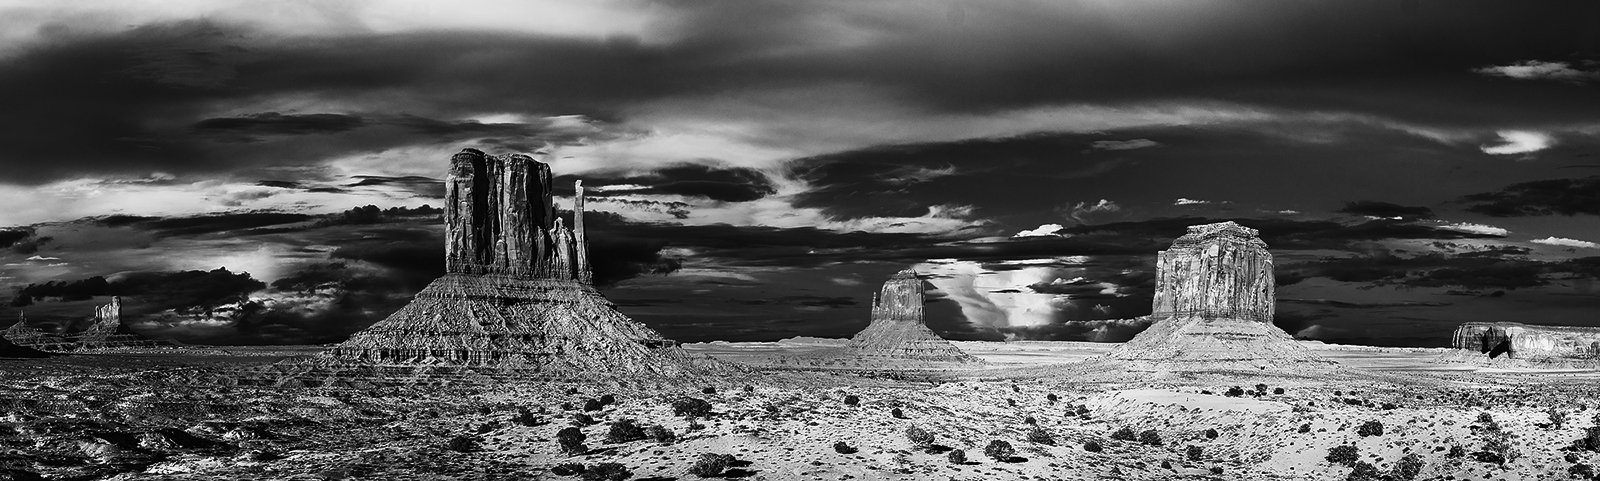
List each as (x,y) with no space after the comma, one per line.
(758,168)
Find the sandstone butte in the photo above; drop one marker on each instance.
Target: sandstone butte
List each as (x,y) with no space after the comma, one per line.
(517,297)
(897,330)
(1213,309)
(106,331)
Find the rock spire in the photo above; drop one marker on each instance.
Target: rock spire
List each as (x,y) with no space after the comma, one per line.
(897,330)
(516,295)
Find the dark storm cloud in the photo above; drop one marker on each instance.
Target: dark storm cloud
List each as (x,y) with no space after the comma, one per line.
(154,291)
(1475,273)
(727,184)
(121,102)
(1384,209)
(244,128)
(1543,197)
(200,225)
(9,237)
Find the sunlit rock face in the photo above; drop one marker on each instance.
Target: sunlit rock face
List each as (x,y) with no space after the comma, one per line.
(1215,270)
(897,330)
(1522,341)
(516,293)
(1213,309)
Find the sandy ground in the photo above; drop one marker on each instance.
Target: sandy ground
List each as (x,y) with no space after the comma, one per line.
(784,425)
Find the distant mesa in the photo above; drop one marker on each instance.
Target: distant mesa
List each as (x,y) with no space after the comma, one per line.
(1511,340)
(516,296)
(106,332)
(1213,308)
(897,331)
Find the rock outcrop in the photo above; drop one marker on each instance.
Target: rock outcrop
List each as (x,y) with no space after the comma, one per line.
(13,342)
(1213,309)
(106,331)
(1220,270)
(516,295)
(1513,340)
(897,330)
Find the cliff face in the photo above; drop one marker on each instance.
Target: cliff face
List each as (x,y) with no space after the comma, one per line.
(516,293)
(500,218)
(897,330)
(1216,270)
(1213,309)
(1523,341)
(105,332)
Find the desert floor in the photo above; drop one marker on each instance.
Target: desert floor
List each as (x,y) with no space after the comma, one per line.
(134,416)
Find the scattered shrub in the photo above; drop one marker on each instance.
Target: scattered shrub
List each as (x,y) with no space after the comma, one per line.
(1235,391)
(1211,433)
(1194,453)
(957,457)
(582,419)
(1261,388)
(608,399)
(525,417)
(842,448)
(691,407)
(571,391)
(1590,440)
(660,433)
(624,431)
(1016,388)
(567,469)
(1497,449)
(1364,471)
(1345,454)
(1407,468)
(1040,436)
(592,405)
(919,437)
(999,450)
(1389,406)
(1124,434)
(1485,418)
(1558,418)
(1166,464)
(749,388)
(851,400)
(1011,402)
(897,413)
(607,472)
(711,464)
(1305,428)
(566,406)
(1581,471)
(1092,446)
(1150,437)
(1030,421)
(708,390)
(1278,391)
(1370,428)
(1456,452)
(463,444)
(571,440)
(1052,397)
(1216,470)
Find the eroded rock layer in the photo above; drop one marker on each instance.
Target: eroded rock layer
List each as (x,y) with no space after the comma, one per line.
(1215,270)
(1523,341)
(1213,308)
(516,299)
(897,330)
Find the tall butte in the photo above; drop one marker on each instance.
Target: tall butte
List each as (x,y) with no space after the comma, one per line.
(1213,308)
(517,291)
(897,330)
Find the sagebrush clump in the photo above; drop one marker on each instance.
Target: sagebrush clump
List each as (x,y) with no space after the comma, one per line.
(711,464)
(999,450)
(1345,454)
(919,437)
(691,407)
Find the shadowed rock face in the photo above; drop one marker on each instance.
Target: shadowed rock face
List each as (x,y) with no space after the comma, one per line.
(516,294)
(1213,308)
(897,330)
(1522,341)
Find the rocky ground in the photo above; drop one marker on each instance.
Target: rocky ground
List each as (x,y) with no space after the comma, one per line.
(122,417)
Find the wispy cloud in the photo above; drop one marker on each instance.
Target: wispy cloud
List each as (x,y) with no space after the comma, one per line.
(1188,201)
(1471,228)
(1124,144)
(1514,142)
(1565,242)
(1541,70)
(1041,231)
